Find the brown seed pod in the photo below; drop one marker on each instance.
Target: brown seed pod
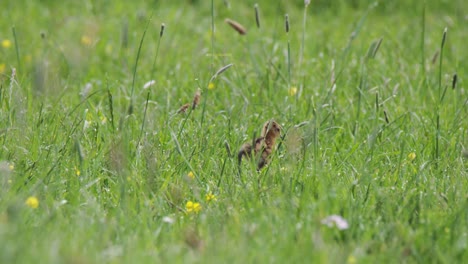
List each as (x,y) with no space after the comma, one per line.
(183,108)
(196,99)
(235,25)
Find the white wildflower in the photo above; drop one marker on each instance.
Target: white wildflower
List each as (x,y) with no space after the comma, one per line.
(149,84)
(336,220)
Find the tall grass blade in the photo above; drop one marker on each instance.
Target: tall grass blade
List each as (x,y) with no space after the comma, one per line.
(135,67)
(161,33)
(15,38)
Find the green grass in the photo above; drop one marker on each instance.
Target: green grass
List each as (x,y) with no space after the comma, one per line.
(112,183)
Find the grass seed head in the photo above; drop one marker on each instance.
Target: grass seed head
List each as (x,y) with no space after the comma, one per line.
(454,81)
(183,108)
(257,16)
(435,57)
(386,117)
(236,26)
(444,37)
(196,99)
(162,30)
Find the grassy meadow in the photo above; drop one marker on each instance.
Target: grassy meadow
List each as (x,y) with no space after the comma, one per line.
(121,123)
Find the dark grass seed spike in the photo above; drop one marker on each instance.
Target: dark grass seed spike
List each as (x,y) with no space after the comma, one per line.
(454,81)
(373,48)
(111,107)
(443,93)
(161,33)
(286,23)
(374,52)
(377,102)
(369,51)
(257,16)
(444,37)
(441,57)
(435,57)
(386,117)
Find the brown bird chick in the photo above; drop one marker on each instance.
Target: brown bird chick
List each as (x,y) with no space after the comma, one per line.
(271,131)
(264,145)
(246,149)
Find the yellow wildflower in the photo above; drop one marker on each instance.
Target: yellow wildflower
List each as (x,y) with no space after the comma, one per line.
(191,175)
(6,43)
(77,171)
(211,86)
(32,202)
(192,207)
(11,166)
(351,259)
(411,156)
(210,197)
(86,40)
(292,91)
(2,68)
